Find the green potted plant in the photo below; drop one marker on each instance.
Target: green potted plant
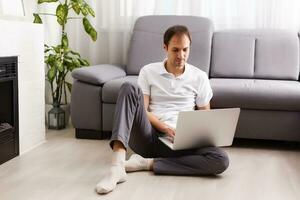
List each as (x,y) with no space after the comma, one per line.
(60,59)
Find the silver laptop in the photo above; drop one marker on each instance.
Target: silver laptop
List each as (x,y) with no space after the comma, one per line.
(199,128)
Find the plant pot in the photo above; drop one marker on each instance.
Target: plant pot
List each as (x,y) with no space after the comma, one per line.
(65,107)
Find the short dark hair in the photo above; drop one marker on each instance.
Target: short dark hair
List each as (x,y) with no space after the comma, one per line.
(176,30)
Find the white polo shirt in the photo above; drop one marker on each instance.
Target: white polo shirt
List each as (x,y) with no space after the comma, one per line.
(170,95)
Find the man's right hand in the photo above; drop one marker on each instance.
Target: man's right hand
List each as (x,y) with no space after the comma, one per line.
(168,130)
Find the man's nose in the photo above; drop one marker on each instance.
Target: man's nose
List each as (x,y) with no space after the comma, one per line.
(181,54)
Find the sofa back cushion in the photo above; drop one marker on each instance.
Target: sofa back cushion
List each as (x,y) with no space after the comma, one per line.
(232,55)
(265,54)
(146,44)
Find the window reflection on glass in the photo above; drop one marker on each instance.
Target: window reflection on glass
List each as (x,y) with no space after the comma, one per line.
(12,7)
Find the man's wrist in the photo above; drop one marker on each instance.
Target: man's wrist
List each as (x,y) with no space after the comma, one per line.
(163,127)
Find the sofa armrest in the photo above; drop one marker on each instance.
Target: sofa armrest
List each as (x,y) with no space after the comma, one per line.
(98,74)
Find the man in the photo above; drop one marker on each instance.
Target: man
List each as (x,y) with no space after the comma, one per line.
(150,109)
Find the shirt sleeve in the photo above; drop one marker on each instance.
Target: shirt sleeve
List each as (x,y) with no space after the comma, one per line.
(204,93)
(143,82)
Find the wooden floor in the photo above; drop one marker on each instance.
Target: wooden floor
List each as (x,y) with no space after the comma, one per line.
(68,168)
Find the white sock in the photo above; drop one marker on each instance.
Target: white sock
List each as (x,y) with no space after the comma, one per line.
(138,163)
(116,174)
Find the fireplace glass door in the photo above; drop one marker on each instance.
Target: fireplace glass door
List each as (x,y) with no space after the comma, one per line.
(9,131)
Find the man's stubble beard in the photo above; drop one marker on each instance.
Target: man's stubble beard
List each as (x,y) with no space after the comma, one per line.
(181,64)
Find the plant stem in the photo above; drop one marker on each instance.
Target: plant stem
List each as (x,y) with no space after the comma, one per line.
(51,86)
(60,94)
(60,85)
(57,88)
(65,90)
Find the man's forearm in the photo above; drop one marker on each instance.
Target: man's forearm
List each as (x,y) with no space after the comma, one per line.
(159,125)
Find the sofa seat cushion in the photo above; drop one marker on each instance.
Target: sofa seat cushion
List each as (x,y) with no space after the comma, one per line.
(256,94)
(111,88)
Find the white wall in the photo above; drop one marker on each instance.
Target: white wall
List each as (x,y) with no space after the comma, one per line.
(51,28)
(26,40)
(30,6)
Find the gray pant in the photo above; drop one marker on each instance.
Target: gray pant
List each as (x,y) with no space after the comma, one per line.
(133,128)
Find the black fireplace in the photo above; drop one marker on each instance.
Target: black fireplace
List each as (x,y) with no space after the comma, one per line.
(9,115)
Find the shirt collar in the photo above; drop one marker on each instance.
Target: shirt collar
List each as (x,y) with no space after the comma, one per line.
(163,70)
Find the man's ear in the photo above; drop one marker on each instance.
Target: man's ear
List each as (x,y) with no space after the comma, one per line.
(165,47)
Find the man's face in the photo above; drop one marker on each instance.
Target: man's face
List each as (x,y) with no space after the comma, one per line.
(178,50)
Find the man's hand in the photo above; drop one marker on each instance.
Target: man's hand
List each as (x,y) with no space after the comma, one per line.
(206,107)
(168,130)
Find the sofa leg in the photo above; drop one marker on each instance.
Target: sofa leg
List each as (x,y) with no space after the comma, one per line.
(92,134)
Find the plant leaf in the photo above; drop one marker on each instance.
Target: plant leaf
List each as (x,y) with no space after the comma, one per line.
(68,63)
(76,62)
(37,19)
(51,74)
(89,29)
(47,50)
(84,62)
(75,53)
(59,64)
(68,59)
(50,59)
(64,41)
(69,85)
(77,1)
(46,1)
(66,50)
(70,66)
(62,14)
(84,10)
(90,9)
(76,7)
(57,48)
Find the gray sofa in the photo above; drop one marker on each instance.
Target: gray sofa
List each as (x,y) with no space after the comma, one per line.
(256,70)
